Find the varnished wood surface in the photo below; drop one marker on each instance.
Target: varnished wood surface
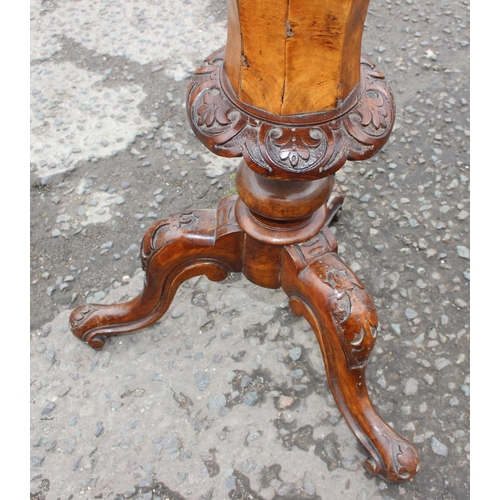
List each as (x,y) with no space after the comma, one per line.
(173,250)
(281,200)
(334,301)
(305,146)
(294,56)
(291,101)
(320,286)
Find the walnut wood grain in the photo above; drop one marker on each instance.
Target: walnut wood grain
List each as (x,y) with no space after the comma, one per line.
(173,250)
(292,94)
(330,296)
(279,200)
(305,146)
(291,56)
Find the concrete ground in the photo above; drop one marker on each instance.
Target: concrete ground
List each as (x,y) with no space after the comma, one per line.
(226,396)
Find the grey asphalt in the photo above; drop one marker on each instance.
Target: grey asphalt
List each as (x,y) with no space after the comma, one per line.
(226,396)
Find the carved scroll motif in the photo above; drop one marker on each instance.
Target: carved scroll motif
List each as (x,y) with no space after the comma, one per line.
(404,457)
(297,146)
(159,234)
(82,313)
(351,308)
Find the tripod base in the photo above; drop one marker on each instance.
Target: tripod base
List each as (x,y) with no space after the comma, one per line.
(320,286)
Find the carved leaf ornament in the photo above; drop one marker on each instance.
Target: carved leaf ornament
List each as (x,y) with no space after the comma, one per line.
(352,310)
(307,146)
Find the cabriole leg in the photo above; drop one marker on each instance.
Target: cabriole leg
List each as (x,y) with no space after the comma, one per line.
(323,289)
(173,250)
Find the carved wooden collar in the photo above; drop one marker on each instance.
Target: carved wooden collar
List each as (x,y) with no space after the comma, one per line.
(303,146)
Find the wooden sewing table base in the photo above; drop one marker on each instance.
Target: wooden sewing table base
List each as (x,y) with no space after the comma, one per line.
(275,232)
(320,287)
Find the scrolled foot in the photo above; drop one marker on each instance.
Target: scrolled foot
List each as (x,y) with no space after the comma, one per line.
(80,322)
(404,460)
(173,250)
(330,296)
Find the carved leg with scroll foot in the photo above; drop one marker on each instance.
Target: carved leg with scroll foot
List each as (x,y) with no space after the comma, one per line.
(294,127)
(173,250)
(323,289)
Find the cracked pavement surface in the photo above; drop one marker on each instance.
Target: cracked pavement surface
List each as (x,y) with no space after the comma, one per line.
(226,396)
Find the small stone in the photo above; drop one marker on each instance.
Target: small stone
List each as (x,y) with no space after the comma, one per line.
(296,374)
(382,381)
(48,408)
(295,353)
(269,310)
(70,445)
(202,380)
(216,402)
(55,233)
(285,401)
(245,381)
(248,465)
(99,429)
(463,252)
(309,487)
(438,448)
(422,244)
(171,443)
(49,444)
(36,461)
(129,493)
(421,284)
(349,462)
(46,330)
(64,391)
(231,483)
(410,313)
(63,218)
(441,363)
(411,387)
(145,483)
(396,327)
(147,467)
(176,313)
(250,398)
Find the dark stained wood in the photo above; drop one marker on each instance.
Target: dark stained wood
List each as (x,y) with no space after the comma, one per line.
(281,200)
(173,250)
(334,301)
(304,146)
(294,97)
(262,262)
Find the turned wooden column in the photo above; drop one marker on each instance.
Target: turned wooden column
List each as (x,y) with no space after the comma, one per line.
(292,95)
